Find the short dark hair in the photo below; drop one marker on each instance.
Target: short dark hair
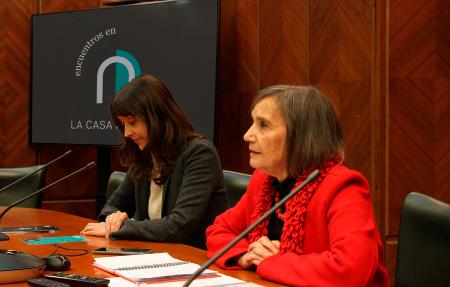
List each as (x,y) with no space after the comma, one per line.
(313,133)
(168,127)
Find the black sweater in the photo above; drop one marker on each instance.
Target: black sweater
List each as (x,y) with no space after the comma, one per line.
(194,194)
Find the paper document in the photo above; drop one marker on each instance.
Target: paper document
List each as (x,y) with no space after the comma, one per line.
(220,280)
(149,267)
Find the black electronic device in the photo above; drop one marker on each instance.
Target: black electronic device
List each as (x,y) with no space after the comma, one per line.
(311,177)
(57,262)
(16,266)
(44,282)
(28,229)
(121,251)
(76,280)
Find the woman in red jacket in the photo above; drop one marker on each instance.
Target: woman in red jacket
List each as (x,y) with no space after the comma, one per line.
(325,235)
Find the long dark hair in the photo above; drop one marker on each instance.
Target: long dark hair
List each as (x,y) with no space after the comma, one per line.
(313,133)
(168,127)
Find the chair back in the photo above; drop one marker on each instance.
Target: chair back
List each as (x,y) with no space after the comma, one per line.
(115,179)
(236,185)
(423,256)
(22,188)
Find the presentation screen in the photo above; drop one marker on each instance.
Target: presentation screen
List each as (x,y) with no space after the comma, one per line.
(80,59)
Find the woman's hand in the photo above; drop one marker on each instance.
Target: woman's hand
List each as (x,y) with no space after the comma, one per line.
(258,251)
(96,229)
(114,221)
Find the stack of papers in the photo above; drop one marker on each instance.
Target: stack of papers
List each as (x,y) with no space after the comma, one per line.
(220,280)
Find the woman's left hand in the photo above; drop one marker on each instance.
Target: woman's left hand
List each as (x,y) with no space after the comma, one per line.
(114,221)
(258,251)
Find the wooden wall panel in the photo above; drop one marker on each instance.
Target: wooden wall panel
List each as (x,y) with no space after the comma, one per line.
(419,116)
(390,259)
(238,80)
(441,132)
(82,186)
(283,42)
(49,6)
(419,106)
(341,46)
(323,41)
(15,35)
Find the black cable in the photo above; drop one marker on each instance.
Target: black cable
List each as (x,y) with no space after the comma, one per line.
(83,251)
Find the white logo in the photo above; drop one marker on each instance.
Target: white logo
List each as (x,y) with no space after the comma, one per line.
(101,70)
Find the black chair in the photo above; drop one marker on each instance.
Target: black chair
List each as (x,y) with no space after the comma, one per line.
(236,185)
(423,257)
(22,188)
(115,179)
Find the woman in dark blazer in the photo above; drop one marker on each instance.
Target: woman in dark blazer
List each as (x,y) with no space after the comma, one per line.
(174,186)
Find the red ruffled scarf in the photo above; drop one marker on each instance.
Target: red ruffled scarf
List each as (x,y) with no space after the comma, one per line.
(295,214)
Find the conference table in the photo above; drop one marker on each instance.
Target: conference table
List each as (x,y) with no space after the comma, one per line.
(72,224)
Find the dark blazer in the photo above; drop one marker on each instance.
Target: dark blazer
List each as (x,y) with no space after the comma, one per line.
(194,194)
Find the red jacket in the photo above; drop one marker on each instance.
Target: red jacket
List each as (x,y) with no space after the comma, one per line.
(341,245)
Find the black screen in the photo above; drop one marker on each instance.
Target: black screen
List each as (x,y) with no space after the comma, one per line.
(81,59)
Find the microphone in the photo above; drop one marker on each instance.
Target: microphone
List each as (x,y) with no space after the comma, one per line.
(208,263)
(30,174)
(86,167)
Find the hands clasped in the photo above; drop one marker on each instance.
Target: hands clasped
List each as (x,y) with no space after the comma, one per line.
(112,223)
(258,251)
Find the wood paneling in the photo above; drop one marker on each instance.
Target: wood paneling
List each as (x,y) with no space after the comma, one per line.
(419,116)
(341,65)
(419,105)
(85,207)
(238,79)
(15,35)
(49,6)
(82,185)
(283,45)
(390,258)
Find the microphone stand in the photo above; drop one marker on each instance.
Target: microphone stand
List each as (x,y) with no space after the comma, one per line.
(88,166)
(208,263)
(30,174)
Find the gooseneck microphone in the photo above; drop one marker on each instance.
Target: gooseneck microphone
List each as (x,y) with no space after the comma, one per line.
(30,174)
(208,263)
(86,167)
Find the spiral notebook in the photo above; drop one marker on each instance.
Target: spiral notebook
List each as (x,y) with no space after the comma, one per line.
(149,267)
